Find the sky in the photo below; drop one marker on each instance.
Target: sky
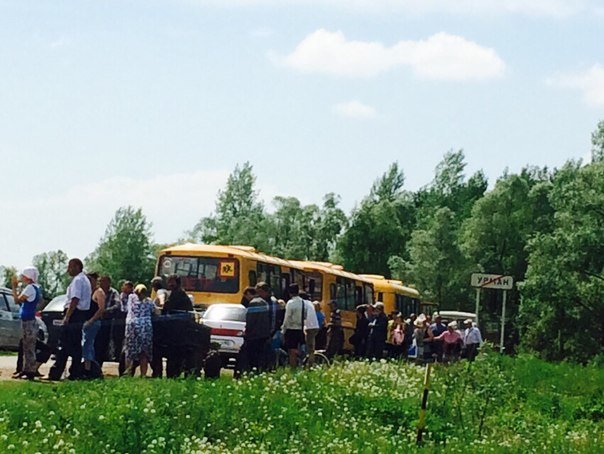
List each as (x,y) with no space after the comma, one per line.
(152,103)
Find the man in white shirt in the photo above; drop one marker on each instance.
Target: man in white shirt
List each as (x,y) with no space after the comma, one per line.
(79,295)
(311,328)
(293,324)
(471,339)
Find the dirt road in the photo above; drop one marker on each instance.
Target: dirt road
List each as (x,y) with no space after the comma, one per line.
(8,364)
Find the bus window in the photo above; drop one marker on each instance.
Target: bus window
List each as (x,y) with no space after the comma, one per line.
(275,281)
(262,272)
(315,287)
(381,297)
(350,294)
(203,274)
(253,280)
(332,292)
(358,296)
(340,293)
(368,299)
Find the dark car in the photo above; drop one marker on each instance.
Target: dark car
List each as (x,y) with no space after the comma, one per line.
(52,316)
(10,323)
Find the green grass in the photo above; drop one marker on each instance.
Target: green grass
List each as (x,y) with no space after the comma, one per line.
(496,404)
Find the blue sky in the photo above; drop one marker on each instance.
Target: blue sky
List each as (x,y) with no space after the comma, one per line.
(152,103)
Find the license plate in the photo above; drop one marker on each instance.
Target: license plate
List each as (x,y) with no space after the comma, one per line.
(57,322)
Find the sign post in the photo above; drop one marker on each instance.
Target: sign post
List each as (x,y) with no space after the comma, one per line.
(497,282)
(505,292)
(477,303)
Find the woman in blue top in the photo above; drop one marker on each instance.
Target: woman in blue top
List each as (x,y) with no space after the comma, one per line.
(28,300)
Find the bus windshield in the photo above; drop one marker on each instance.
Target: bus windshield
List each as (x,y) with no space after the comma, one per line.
(202,274)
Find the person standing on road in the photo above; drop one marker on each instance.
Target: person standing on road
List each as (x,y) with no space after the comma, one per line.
(28,300)
(471,339)
(361,332)
(321,341)
(177,305)
(311,330)
(276,315)
(91,327)
(419,335)
(451,339)
(103,337)
(118,326)
(378,333)
(161,294)
(335,332)
(438,328)
(79,295)
(293,324)
(139,331)
(257,333)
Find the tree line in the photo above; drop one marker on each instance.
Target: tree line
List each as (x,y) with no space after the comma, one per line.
(544,227)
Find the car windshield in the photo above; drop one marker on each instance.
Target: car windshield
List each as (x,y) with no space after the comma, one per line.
(235,313)
(56,304)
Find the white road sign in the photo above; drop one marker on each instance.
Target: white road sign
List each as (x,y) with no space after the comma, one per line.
(496,281)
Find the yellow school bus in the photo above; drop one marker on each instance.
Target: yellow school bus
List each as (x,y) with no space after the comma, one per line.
(395,296)
(325,282)
(219,274)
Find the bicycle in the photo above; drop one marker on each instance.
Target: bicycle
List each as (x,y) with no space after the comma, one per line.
(321,358)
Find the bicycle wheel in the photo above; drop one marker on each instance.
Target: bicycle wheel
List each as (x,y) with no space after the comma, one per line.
(320,360)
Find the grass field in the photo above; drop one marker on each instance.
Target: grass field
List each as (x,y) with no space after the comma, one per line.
(497,404)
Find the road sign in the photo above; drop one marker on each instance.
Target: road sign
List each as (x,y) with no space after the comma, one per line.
(496,281)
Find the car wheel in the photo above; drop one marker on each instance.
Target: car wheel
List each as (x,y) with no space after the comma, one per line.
(42,331)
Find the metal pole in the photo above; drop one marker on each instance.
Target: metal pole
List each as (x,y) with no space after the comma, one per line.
(477,303)
(505,292)
(421,424)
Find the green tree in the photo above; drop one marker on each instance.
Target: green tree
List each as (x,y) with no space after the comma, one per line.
(597,143)
(562,308)
(126,250)
(495,236)
(450,189)
(52,267)
(6,274)
(304,232)
(441,208)
(239,216)
(380,227)
(332,222)
(435,264)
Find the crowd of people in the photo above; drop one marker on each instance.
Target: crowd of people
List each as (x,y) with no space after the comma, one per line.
(299,325)
(100,323)
(425,337)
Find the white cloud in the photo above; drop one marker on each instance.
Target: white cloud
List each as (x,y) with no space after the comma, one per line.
(589,82)
(354,109)
(551,8)
(442,56)
(75,220)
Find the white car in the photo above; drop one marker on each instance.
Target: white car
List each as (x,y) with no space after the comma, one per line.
(227,322)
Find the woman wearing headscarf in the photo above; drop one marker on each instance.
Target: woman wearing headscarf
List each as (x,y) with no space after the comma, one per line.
(29,298)
(139,330)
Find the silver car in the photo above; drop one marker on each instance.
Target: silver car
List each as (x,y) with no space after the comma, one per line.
(10,324)
(227,321)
